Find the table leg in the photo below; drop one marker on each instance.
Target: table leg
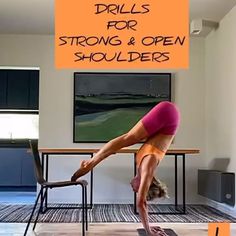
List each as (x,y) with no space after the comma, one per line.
(176,181)
(184,186)
(91,187)
(41,196)
(135,194)
(46,196)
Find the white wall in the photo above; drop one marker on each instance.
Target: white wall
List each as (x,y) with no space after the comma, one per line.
(221,96)
(56,105)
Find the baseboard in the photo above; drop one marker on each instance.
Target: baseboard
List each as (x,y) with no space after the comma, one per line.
(222,207)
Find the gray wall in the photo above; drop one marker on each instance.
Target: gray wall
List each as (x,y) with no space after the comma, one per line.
(221,97)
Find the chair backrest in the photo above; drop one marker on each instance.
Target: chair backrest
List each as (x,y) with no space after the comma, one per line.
(37,162)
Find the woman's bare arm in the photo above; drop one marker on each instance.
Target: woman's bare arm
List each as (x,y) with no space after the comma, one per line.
(142,203)
(147,169)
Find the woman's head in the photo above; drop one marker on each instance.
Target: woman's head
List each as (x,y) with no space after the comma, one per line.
(157,189)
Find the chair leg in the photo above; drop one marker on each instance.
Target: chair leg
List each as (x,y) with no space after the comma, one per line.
(83,203)
(32,213)
(86,209)
(43,207)
(40,210)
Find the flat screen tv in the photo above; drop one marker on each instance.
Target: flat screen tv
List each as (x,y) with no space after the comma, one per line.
(107,105)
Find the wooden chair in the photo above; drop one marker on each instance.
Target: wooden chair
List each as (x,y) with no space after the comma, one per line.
(45,185)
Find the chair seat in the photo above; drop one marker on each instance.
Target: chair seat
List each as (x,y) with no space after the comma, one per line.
(64,183)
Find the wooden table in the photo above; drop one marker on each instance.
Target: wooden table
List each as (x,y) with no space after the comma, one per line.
(177,153)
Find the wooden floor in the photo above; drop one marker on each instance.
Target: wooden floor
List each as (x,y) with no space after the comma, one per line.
(101,229)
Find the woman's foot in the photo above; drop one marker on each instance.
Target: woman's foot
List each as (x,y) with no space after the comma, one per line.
(85,167)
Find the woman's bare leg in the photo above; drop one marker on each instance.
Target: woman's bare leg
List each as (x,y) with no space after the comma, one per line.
(135,135)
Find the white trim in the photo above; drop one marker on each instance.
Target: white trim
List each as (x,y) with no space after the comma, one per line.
(18,68)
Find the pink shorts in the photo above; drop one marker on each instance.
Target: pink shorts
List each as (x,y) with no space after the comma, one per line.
(164,118)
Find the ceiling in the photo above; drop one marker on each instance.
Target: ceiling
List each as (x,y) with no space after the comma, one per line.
(37,16)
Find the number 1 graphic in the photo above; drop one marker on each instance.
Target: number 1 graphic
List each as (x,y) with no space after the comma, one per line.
(217,231)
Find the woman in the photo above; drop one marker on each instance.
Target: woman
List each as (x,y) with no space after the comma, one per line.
(157,128)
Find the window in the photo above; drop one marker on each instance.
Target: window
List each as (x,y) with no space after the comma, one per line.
(19,126)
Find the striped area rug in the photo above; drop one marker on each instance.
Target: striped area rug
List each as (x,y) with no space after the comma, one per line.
(113,213)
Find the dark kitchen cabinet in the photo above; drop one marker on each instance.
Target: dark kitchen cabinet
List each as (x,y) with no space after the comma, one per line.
(3,90)
(19,89)
(16,168)
(10,168)
(34,90)
(27,170)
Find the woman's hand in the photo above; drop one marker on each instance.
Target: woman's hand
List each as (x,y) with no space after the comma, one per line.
(156,231)
(85,167)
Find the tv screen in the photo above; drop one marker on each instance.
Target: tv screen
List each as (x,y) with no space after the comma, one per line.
(107,105)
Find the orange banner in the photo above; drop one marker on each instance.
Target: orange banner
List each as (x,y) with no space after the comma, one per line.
(219,229)
(123,34)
